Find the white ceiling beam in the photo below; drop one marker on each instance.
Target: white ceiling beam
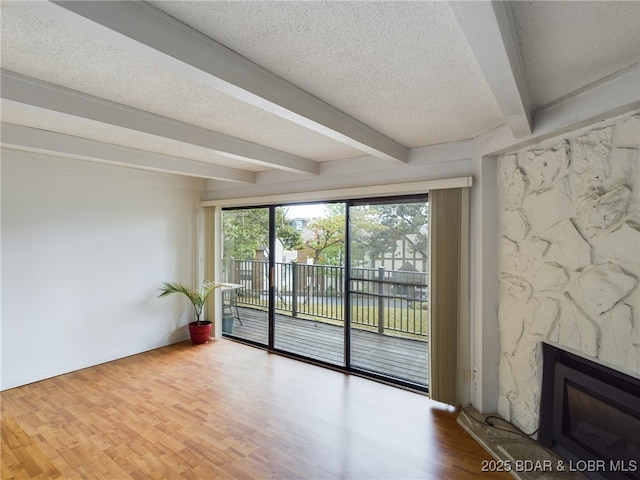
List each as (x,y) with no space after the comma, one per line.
(490,32)
(612,96)
(29,139)
(165,39)
(35,93)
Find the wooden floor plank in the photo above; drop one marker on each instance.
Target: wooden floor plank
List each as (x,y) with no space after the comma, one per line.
(224,410)
(23,458)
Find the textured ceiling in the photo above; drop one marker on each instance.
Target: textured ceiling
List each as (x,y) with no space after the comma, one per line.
(396,66)
(70,54)
(569,45)
(290,85)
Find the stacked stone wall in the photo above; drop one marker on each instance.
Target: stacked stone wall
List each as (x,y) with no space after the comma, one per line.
(569,257)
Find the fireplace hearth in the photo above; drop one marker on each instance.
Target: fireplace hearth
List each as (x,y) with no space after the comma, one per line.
(590,415)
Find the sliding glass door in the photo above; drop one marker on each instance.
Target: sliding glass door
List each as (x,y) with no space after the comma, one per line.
(342,283)
(245,262)
(309,281)
(388,269)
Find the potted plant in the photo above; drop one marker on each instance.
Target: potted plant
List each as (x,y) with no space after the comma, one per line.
(200,330)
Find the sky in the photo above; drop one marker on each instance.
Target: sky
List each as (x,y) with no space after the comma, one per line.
(306,211)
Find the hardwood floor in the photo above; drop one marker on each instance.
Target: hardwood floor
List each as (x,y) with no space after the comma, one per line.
(224,410)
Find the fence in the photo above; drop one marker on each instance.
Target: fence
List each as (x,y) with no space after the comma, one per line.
(381,300)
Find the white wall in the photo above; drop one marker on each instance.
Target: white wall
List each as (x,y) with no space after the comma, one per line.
(483,289)
(84,249)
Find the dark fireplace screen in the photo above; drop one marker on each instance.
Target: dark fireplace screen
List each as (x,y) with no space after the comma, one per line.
(590,415)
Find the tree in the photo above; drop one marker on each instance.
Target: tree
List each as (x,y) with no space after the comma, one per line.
(326,242)
(404,220)
(246,231)
(377,229)
(366,235)
(286,232)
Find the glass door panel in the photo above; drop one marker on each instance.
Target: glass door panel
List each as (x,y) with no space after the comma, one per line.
(245,262)
(388,289)
(309,281)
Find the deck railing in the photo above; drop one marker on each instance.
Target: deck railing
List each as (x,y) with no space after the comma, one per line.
(381,300)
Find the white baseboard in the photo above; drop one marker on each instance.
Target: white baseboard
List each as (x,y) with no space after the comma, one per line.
(55,370)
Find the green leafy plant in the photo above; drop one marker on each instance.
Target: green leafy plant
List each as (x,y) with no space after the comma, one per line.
(197,296)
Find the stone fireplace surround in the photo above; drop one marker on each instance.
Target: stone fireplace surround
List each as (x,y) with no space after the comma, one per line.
(569,257)
(569,272)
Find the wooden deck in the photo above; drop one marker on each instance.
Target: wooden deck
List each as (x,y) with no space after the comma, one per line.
(402,358)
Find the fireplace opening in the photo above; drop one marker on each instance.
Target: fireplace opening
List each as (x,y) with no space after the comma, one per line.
(599,427)
(590,415)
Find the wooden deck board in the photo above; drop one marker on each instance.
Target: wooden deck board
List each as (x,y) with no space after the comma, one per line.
(403,358)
